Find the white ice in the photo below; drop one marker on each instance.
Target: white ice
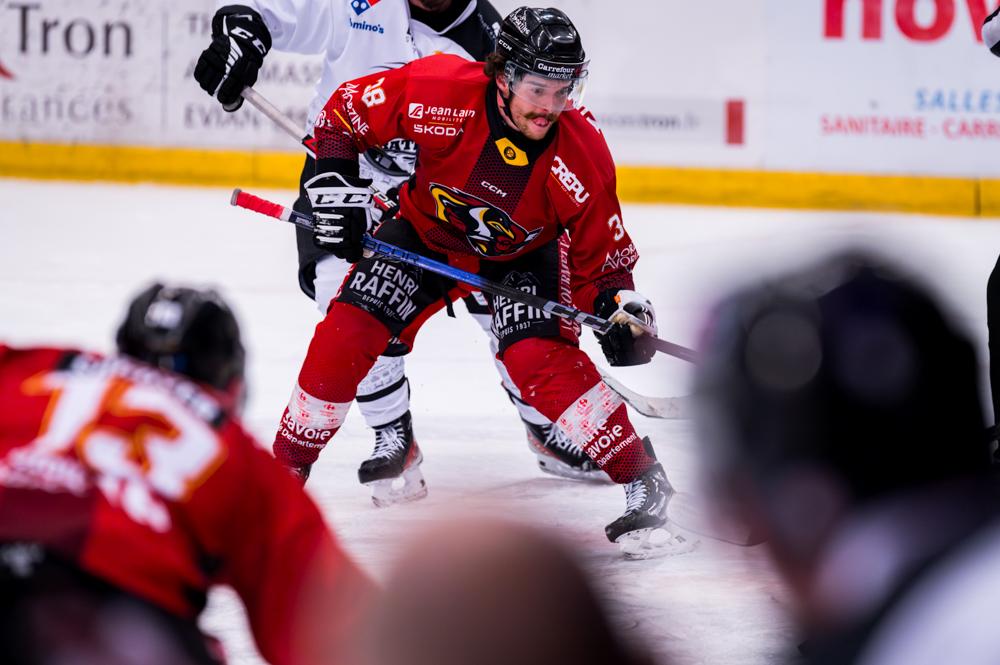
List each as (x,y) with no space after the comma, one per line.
(72,254)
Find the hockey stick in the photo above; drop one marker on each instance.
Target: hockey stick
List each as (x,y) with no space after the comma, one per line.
(242,199)
(307,141)
(666,408)
(261,103)
(695,514)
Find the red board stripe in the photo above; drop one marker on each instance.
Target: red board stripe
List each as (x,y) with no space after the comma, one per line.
(735,114)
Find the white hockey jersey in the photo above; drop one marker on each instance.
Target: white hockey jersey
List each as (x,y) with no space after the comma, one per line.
(356,37)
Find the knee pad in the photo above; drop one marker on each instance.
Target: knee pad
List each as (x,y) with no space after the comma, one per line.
(344,347)
(550,373)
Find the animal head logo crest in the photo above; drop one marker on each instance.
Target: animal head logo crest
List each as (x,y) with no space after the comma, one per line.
(489,230)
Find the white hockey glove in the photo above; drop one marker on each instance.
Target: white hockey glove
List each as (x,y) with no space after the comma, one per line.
(341,206)
(634,318)
(240,40)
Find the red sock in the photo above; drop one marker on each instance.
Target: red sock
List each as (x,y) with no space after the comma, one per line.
(344,347)
(561,382)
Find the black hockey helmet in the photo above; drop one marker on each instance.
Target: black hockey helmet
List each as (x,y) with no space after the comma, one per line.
(849,369)
(189,331)
(543,42)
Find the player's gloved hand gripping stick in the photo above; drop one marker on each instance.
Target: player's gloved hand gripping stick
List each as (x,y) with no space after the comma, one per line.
(308,143)
(250,202)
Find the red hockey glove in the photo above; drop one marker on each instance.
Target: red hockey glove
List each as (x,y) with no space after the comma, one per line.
(626,344)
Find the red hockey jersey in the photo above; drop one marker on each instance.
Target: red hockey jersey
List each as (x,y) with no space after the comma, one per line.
(481,189)
(140,478)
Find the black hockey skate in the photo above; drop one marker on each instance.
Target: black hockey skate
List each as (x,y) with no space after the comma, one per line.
(559,456)
(393,470)
(642,532)
(300,472)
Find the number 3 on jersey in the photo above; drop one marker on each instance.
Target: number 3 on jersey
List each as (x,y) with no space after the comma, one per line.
(615,224)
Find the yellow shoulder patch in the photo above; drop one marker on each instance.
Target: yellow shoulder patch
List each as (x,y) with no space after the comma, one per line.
(511,154)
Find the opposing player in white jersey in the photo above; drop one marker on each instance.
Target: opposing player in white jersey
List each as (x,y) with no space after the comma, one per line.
(359,37)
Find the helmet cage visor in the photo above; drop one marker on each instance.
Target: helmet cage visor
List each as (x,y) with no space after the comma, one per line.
(551,86)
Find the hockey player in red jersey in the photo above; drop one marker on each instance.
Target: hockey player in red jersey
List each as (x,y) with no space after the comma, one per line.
(242,35)
(128,487)
(513,183)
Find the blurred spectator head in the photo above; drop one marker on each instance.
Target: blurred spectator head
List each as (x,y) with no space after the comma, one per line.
(491,593)
(830,388)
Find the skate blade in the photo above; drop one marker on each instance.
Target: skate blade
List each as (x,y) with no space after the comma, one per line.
(558,468)
(407,487)
(653,543)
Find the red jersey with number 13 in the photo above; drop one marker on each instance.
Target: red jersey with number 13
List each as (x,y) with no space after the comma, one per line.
(142,479)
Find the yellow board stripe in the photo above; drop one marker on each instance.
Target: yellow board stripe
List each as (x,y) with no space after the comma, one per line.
(636,184)
(141,164)
(827,191)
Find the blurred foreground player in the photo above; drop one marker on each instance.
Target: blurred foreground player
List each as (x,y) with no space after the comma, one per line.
(515,183)
(242,35)
(490,592)
(841,405)
(128,488)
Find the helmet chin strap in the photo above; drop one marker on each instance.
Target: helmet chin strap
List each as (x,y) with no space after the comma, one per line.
(505,103)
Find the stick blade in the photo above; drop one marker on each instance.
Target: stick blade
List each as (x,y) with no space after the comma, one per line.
(665,408)
(691,513)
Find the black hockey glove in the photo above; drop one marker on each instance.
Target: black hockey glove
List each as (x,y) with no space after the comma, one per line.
(991,32)
(341,206)
(240,40)
(626,344)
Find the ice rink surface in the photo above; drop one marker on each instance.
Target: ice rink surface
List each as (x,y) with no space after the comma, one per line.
(72,254)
